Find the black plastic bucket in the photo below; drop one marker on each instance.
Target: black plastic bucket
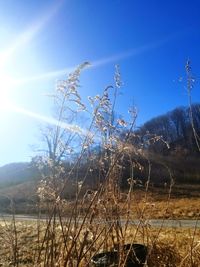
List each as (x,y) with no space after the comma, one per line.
(105,259)
(136,256)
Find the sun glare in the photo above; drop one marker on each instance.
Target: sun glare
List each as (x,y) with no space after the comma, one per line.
(6,84)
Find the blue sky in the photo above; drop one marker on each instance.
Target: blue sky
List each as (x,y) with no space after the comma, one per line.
(40,41)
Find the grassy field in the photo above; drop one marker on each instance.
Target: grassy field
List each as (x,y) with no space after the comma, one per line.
(48,242)
(182,203)
(167,247)
(74,237)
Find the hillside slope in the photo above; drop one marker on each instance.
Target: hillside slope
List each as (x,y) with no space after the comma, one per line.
(16,173)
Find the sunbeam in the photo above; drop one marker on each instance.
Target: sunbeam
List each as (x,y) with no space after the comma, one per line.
(6,84)
(44,76)
(100,62)
(27,36)
(70,127)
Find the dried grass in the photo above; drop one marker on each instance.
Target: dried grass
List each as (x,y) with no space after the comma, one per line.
(72,233)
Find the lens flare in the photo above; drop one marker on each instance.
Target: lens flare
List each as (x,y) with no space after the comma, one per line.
(6,83)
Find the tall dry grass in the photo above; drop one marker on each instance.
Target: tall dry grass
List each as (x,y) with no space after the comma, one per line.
(100,218)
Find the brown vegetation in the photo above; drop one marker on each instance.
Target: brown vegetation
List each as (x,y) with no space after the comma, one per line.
(93,165)
(174,247)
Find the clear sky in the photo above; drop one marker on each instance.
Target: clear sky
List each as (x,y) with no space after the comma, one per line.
(40,41)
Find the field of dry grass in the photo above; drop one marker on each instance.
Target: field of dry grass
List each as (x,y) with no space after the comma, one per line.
(174,208)
(182,202)
(29,243)
(172,247)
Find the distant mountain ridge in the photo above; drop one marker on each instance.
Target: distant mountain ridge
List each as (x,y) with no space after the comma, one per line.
(16,173)
(174,127)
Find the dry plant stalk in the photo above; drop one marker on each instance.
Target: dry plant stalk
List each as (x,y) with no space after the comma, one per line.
(95,218)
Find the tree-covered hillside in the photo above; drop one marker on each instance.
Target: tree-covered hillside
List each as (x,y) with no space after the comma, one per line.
(180,128)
